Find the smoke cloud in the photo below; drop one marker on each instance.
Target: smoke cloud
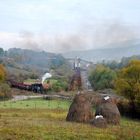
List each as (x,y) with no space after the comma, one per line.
(46,76)
(28,41)
(87,36)
(114,33)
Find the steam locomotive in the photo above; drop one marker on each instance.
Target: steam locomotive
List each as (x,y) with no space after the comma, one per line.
(36,87)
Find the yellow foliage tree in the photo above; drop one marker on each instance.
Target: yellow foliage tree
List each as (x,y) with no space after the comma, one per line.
(128,82)
(2,73)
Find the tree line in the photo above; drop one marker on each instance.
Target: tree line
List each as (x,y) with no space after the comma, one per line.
(125,81)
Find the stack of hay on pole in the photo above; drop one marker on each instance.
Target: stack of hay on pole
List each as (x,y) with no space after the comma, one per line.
(109,110)
(80,110)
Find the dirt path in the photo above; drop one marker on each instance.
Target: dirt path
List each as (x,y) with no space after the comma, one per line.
(24,97)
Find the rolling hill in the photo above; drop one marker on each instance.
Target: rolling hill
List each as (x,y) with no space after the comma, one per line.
(111,52)
(23,61)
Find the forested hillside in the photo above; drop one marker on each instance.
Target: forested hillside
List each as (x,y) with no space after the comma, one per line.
(28,62)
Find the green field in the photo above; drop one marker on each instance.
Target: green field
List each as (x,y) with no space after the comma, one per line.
(46,121)
(35,103)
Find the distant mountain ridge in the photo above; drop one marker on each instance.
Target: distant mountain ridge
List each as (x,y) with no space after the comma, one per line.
(113,52)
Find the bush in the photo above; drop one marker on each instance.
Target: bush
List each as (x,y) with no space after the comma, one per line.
(59,85)
(4,91)
(125,109)
(102,77)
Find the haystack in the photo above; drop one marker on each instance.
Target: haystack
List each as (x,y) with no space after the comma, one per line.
(109,110)
(80,109)
(99,122)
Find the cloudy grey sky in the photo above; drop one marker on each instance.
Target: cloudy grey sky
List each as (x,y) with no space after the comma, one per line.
(63,25)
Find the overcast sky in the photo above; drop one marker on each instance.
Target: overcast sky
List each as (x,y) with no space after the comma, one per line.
(63,25)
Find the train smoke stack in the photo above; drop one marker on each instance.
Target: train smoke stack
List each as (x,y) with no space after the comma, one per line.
(46,76)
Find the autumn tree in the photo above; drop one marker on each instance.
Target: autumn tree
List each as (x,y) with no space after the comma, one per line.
(102,77)
(4,87)
(128,82)
(2,73)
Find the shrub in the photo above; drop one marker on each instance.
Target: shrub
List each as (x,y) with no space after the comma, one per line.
(102,77)
(4,91)
(59,85)
(125,109)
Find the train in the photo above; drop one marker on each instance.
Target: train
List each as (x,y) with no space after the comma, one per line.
(36,87)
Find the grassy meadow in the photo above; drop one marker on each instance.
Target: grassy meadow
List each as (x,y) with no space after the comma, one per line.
(40,119)
(35,103)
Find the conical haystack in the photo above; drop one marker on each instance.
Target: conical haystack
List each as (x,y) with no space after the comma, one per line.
(80,109)
(109,110)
